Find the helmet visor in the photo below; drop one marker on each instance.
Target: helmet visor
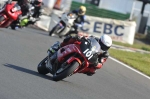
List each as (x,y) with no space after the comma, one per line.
(81,11)
(103,47)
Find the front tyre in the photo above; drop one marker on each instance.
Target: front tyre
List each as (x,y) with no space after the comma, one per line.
(2,18)
(54,30)
(42,67)
(63,72)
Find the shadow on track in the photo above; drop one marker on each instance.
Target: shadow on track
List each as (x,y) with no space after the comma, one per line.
(27,71)
(30,72)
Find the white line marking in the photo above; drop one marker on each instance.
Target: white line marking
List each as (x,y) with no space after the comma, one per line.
(129,67)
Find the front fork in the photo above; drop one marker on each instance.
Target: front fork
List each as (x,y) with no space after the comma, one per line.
(52,55)
(61,27)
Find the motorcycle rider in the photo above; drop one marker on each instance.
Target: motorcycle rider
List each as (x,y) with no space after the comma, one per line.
(79,21)
(105,43)
(26,8)
(38,7)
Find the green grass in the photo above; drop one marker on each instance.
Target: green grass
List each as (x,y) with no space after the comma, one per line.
(144,44)
(136,60)
(135,45)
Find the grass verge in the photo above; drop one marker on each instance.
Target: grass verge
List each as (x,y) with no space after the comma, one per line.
(138,46)
(136,60)
(143,43)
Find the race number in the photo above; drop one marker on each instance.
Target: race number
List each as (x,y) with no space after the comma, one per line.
(88,54)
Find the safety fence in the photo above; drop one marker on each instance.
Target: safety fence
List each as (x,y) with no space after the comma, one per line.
(93,10)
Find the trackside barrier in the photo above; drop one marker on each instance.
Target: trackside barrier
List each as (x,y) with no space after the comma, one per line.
(48,22)
(44,22)
(122,31)
(55,18)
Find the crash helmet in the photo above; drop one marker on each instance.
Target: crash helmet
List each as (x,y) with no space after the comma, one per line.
(38,2)
(82,10)
(105,42)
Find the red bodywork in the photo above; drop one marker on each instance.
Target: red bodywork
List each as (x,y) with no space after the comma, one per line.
(8,15)
(69,50)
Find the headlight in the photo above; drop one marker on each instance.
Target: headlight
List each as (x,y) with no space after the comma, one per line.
(71,16)
(14,9)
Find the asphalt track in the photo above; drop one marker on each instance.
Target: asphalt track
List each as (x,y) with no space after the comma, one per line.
(22,50)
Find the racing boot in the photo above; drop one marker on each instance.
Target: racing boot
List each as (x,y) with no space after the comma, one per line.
(54,48)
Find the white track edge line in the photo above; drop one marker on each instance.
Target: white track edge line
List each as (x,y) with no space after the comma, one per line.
(129,67)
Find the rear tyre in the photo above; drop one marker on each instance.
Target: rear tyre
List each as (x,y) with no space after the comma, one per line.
(67,71)
(13,26)
(42,67)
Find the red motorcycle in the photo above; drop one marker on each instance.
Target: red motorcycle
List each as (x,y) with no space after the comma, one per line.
(9,13)
(71,59)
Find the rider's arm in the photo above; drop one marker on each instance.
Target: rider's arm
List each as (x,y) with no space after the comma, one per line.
(103,57)
(81,23)
(101,60)
(75,11)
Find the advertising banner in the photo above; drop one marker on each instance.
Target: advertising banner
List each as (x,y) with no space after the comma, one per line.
(122,31)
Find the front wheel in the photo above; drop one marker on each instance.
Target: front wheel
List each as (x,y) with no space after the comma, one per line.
(54,30)
(2,18)
(42,67)
(65,71)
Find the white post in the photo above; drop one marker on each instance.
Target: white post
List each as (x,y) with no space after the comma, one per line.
(131,14)
(83,1)
(100,3)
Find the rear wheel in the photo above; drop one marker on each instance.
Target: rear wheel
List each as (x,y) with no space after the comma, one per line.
(13,26)
(42,66)
(65,70)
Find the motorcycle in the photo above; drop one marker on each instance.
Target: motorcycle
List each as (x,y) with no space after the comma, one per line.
(71,59)
(65,24)
(9,13)
(26,20)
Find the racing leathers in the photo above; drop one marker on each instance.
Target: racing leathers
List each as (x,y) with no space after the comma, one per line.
(77,23)
(37,9)
(26,8)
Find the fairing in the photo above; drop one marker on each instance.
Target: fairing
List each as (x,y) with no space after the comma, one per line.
(87,53)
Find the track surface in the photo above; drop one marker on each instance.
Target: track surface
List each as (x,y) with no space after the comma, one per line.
(22,50)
